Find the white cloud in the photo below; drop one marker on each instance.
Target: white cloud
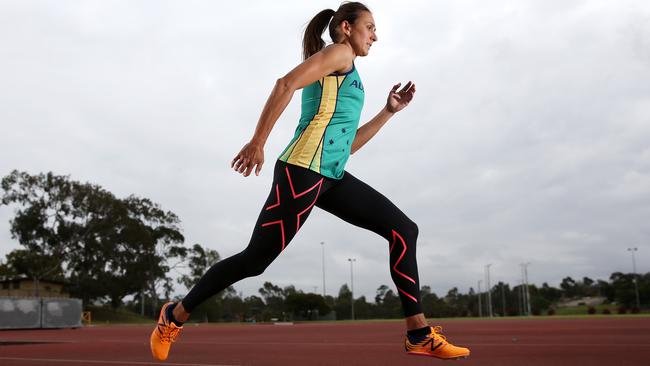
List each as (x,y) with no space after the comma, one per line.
(526,141)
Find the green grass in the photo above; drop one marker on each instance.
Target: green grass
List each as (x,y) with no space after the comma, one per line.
(435,321)
(583,310)
(107,315)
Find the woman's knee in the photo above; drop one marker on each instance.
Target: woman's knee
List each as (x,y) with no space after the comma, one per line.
(255,270)
(409,230)
(252,265)
(414,229)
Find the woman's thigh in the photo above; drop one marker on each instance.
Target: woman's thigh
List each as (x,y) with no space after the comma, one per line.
(359,204)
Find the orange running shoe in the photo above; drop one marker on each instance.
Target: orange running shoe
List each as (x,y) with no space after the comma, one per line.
(436,345)
(163,335)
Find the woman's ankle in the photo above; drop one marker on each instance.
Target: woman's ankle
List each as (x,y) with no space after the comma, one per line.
(416,321)
(179,312)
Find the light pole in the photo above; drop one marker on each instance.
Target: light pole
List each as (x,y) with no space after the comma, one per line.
(527,290)
(526,293)
(488,289)
(352,260)
(503,299)
(520,297)
(522,290)
(636,286)
(322,244)
(480,307)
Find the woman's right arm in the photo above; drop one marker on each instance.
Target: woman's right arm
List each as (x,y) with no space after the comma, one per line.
(330,59)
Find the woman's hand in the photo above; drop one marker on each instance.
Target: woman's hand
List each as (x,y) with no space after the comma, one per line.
(398,100)
(251,156)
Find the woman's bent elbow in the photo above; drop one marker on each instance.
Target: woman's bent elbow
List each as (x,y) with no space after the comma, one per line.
(284,85)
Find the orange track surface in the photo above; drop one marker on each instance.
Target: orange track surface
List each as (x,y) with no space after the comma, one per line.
(556,342)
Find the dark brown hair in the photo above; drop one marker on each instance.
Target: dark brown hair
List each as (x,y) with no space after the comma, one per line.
(312,42)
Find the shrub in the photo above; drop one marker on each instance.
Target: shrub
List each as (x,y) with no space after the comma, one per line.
(591,310)
(635,310)
(551,312)
(606,311)
(622,310)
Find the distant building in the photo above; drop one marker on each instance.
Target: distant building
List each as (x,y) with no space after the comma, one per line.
(583,301)
(26,287)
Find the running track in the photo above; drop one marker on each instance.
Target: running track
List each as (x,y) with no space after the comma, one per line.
(509,342)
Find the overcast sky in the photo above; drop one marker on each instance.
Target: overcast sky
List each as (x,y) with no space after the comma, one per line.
(528,139)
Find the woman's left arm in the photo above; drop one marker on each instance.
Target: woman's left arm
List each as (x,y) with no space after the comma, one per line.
(397,100)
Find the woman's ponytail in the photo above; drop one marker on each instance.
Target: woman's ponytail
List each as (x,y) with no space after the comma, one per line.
(313,41)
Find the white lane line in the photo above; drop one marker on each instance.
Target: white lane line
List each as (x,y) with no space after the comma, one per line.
(49,360)
(517,343)
(34,341)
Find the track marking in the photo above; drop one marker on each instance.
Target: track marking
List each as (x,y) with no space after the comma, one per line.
(108,362)
(508,343)
(384,344)
(30,341)
(519,344)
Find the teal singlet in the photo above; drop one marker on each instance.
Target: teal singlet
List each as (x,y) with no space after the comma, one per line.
(331,108)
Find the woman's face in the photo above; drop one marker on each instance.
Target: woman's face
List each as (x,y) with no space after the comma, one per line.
(362,33)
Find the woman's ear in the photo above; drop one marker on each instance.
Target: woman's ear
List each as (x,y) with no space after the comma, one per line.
(346,28)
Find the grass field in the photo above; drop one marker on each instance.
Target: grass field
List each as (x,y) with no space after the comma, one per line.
(107,316)
(584,309)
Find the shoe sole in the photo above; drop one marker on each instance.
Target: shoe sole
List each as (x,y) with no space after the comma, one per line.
(151,345)
(461,357)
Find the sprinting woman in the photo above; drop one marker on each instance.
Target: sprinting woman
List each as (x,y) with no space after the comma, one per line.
(310,172)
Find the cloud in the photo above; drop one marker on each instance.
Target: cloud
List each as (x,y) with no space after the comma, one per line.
(526,141)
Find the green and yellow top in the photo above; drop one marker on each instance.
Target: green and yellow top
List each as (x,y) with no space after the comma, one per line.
(331,108)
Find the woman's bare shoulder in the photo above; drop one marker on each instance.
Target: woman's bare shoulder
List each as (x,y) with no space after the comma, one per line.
(342,52)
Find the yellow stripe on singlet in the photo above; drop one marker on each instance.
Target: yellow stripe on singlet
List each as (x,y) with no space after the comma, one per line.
(315,164)
(308,148)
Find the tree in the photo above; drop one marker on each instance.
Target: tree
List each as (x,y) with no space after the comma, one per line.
(606,289)
(306,305)
(32,264)
(199,260)
(457,303)
(7,271)
(362,309)
(569,286)
(432,305)
(644,289)
(274,298)
(344,303)
(388,304)
(500,298)
(623,284)
(253,307)
(381,294)
(270,291)
(233,307)
(106,247)
(289,290)
(550,294)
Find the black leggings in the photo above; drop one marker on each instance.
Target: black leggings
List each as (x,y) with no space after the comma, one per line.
(294,193)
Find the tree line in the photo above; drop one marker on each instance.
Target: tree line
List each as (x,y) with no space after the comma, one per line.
(107,249)
(283,304)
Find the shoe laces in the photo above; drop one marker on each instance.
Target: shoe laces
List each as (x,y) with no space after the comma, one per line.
(436,332)
(168,333)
